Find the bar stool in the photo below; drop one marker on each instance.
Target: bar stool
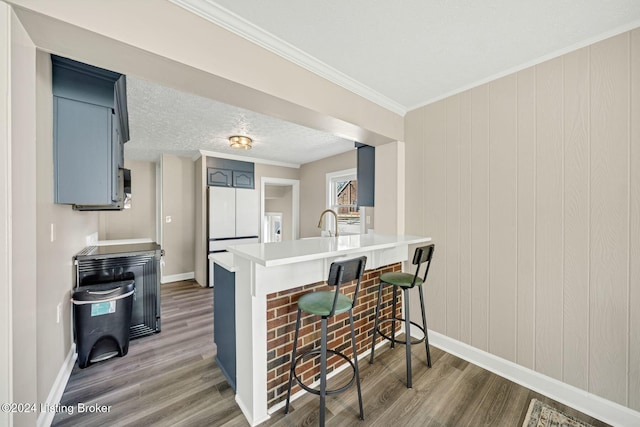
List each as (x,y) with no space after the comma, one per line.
(405,282)
(327,304)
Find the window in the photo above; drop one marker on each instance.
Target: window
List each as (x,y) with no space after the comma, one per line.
(342,197)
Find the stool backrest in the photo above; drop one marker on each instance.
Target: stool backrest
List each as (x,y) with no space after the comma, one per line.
(343,272)
(423,255)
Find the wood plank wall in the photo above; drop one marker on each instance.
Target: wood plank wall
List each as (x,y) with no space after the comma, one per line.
(530,188)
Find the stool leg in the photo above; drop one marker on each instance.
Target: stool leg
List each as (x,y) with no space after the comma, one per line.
(293,360)
(323,369)
(393,316)
(375,324)
(424,325)
(407,335)
(355,363)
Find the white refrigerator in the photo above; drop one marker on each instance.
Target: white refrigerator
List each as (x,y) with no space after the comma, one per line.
(233,219)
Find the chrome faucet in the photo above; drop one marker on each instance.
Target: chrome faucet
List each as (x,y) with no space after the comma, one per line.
(335,215)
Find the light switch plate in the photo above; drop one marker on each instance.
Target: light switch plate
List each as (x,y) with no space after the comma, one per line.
(167,219)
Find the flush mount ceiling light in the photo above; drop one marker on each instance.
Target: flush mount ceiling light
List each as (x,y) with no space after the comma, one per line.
(240,142)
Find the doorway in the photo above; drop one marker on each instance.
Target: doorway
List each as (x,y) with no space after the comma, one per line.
(279,204)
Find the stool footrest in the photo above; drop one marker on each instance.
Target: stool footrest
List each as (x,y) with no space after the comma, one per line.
(328,392)
(394,339)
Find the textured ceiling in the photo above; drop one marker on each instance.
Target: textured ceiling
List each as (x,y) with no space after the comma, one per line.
(164,120)
(412,52)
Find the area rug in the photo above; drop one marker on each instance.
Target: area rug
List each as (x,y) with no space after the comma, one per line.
(542,415)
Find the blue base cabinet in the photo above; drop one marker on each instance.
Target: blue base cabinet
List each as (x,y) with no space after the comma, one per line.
(224,321)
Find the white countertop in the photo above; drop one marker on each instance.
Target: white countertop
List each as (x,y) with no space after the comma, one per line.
(224,260)
(292,251)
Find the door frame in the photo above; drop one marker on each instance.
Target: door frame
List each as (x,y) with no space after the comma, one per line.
(295,202)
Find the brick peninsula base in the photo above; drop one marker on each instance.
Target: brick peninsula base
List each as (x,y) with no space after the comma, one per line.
(281,322)
(270,277)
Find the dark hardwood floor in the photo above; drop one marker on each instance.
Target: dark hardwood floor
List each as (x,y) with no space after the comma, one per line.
(171,379)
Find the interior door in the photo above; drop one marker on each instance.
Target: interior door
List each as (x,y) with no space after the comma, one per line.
(247,212)
(222,212)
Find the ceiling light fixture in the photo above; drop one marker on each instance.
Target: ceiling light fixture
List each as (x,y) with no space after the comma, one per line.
(240,142)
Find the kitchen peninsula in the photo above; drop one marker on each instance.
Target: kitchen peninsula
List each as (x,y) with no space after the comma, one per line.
(269,279)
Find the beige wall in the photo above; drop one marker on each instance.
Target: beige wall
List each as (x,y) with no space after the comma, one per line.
(280,200)
(6,366)
(54,267)
(389,189)
(313,188)
(140,220)
(178,202)
(200,224)
(23,204)
(530,187)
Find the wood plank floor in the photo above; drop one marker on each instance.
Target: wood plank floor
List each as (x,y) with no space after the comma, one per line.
(171,379)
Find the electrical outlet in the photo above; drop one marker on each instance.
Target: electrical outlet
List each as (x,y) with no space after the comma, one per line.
(53,232)
(368,220)
(58,312)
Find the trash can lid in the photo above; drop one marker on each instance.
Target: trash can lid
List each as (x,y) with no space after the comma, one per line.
(103,291)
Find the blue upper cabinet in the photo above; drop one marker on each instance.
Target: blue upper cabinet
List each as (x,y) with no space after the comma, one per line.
(366,174)
(90,127)
(230,173)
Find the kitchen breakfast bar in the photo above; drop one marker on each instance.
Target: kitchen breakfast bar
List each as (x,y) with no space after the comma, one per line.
(269,279)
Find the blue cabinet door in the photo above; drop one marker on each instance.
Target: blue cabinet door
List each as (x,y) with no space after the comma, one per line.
(224,321)
(82,152)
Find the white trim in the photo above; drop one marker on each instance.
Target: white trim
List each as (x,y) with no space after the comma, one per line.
(238,25)
(178,277)
(247,159)
(57,389)
(247,413)
(295,202)
(336,174)
(583,401)
(528,64)
(329,193)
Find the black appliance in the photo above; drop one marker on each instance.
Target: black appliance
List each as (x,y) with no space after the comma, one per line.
(102,318)
(139,262)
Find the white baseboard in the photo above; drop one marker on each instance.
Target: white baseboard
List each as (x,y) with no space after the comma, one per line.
(247,413)
(587,403)
(55,394)
(177,277)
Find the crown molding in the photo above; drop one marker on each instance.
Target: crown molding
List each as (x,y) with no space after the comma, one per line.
(230,21)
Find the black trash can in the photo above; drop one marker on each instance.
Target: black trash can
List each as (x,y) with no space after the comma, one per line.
(102,317)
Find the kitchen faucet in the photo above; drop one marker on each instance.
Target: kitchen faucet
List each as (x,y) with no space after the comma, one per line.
(335,215)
